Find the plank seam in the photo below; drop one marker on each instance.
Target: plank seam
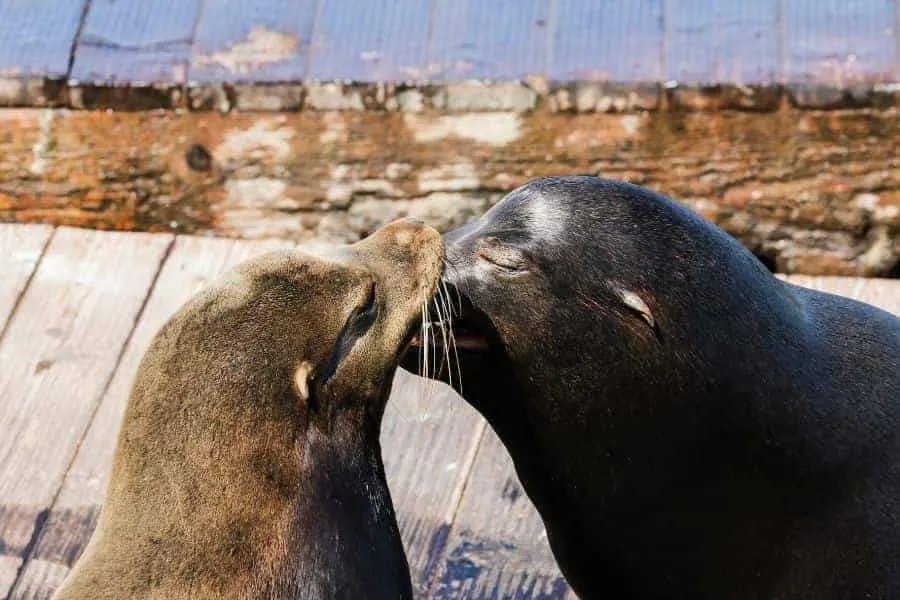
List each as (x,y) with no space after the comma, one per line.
(549,46)
(663,42)
(896,33)
(41,523)
(21,295)
(310,42)
(429,35)
(77,39)
(781,41)
(453,511)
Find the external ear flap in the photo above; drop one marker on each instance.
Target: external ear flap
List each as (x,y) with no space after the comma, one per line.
(637,304)
(302,375)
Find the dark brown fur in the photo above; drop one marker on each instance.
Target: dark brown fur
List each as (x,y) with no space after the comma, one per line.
(225,482)
(687,425)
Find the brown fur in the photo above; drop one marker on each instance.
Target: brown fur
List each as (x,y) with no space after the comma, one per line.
(225,483)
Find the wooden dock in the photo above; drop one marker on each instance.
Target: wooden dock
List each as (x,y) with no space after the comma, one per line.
(77,310)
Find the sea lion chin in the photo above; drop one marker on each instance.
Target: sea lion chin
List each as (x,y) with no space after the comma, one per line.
(687,425)
(248,463)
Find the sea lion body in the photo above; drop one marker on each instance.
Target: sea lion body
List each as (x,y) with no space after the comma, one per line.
(248,463)
(687,425)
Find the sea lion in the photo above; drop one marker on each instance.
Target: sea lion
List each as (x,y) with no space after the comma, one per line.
(687,425)
(248,463)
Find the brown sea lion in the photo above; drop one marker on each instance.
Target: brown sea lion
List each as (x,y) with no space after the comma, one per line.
(248,463)
(687,425)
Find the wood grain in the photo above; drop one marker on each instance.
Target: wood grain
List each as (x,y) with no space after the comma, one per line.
(497,547)
(712,41)
(377,40)
(622,42)
(263,41)
(20,250)
(429,438)
(36,36)
(473,39)
(191,264)
(833,42)
(340,173)
(58,354)
(883,293)
(133,41)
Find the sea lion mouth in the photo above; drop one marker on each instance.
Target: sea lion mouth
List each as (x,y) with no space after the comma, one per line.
(468,326)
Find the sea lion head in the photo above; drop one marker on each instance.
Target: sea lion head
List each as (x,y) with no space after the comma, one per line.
(248,462)
(599,328)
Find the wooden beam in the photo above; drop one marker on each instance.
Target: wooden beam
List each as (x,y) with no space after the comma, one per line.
(339,175)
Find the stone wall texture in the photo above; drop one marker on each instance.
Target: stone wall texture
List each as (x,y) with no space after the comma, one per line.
(808,190)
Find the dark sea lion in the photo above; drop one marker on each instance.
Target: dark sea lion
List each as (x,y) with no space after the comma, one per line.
(687,425)
(248,464)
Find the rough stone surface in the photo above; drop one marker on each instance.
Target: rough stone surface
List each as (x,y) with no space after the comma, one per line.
(31,92)
(808,191)
(149,97)
(726,97)
(268,98)
(476,96)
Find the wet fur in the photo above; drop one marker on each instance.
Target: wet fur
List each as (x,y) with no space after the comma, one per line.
(225,482)
(745,446)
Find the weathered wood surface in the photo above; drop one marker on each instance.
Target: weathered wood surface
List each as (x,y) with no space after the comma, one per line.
(20,250)
(265,41)
(727,41)
(57,354)
(497,546)
(883,293)
(694,41)
(338,175)
(429,439)
(37,36)
(191,264)
(390,46)
(472,39)
(131,41)
(622,42)
(834,42)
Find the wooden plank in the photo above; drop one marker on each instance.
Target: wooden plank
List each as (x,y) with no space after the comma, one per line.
(59,352)
(429,438)
(618,41)
(377,40)
(130,41)
(714,41)
(836,42)
(21,247)
(472,39)
(191,264)
(883,293)
(36,36)
(264,41)
(497,547)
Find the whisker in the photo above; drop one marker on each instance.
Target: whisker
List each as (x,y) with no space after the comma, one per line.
(440,307)
(452,341)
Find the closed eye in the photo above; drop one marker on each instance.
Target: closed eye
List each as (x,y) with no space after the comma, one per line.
(369,305)
(507,259)
(356,326)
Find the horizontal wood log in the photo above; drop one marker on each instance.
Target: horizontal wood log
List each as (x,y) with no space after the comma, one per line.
(809,191)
